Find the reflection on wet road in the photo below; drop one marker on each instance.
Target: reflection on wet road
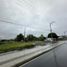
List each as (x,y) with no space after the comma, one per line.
(54,58)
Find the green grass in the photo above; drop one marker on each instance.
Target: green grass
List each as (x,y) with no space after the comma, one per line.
(10,46)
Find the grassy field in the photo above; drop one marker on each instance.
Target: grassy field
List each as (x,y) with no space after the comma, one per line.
(10,46)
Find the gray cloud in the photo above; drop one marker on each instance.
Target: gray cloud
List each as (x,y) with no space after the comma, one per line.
(34,14)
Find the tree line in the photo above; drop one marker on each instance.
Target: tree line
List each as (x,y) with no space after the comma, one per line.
(31,37)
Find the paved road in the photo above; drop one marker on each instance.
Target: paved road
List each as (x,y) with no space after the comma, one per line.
(12,58)
(54,58)
(9,56)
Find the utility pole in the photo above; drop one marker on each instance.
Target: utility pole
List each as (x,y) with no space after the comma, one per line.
(51,29)
(51,26)
(65,33)
(24,32)
(65,36)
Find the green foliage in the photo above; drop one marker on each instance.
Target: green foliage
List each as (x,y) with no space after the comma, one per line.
(31,37)
(41,38)
(52,35)
(10,46)
(19,37)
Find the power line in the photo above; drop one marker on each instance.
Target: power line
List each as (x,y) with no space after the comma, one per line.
(5,21)
(20,2)
(15,24)
(25,26)
(11,22)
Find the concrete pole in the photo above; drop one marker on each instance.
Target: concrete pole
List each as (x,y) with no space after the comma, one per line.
(24,32)
(51,29)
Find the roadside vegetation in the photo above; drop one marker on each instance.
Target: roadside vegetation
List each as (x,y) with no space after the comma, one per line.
(10,46)
(22,42)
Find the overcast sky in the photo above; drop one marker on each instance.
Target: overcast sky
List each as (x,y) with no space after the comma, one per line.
(35,15)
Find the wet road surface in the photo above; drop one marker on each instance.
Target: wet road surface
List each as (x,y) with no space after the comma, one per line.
(54,58)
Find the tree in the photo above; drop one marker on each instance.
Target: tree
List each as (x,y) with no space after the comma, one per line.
(52,35)
(31,37)
(19,37)
(42,38)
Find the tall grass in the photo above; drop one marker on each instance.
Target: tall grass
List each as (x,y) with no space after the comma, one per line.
(10,46)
